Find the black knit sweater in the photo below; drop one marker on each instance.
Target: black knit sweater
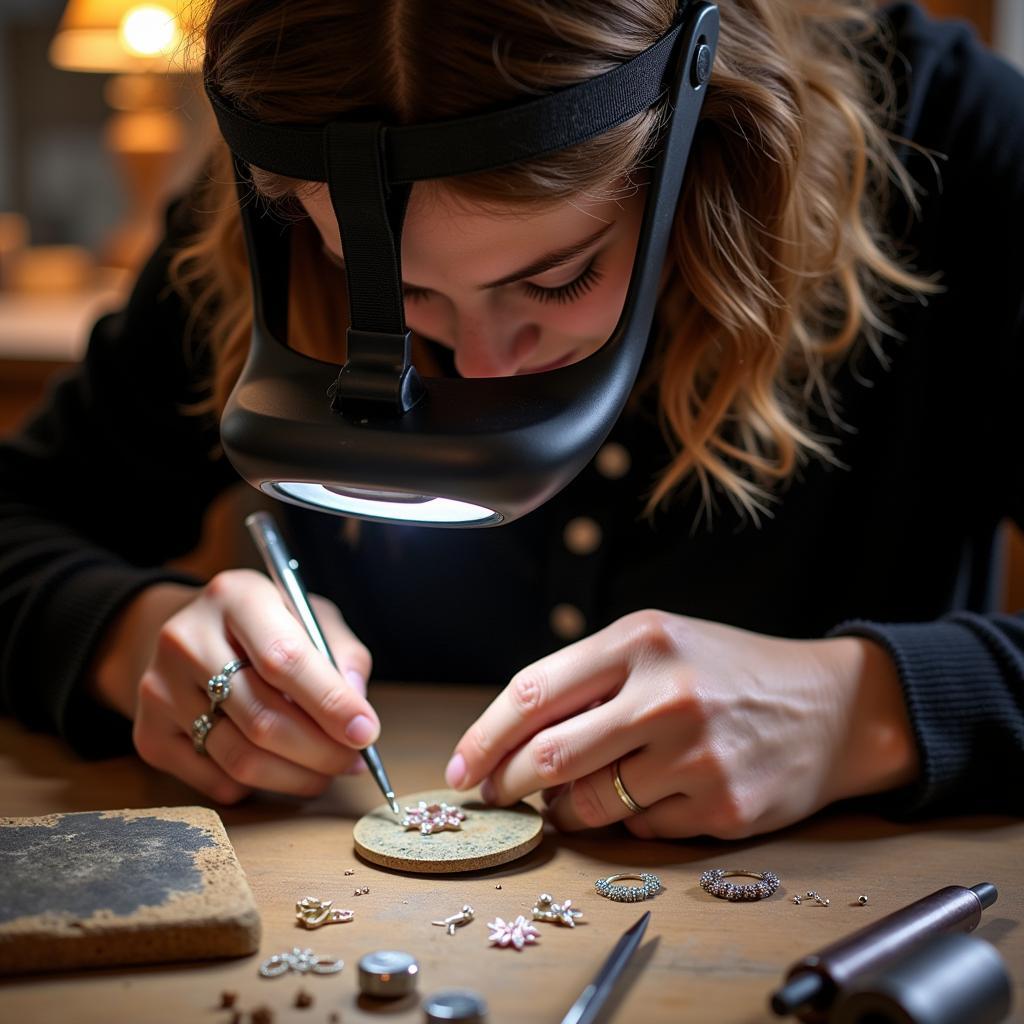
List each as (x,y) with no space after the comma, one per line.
(899,543)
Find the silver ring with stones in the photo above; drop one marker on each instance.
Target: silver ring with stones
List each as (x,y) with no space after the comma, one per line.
(200,730)
(651,886)
(219,686)
(712,881)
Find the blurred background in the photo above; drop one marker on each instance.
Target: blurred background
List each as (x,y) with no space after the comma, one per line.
(101,121)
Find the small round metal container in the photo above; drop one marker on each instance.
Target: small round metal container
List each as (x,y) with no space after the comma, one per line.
(455,1004)
(388,974)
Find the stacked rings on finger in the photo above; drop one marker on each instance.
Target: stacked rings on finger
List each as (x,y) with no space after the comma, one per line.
(712,881)
(200,730)
(629,893)
(218,686)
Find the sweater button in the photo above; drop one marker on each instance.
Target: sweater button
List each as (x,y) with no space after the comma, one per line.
(567,622)
(613,461)
(582,535)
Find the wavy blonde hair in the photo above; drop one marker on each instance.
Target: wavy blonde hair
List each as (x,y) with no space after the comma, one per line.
(778,262)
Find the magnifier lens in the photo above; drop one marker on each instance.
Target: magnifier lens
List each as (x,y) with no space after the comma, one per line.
(385,505)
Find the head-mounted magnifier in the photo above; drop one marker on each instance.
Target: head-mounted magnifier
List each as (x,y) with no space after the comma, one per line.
(376,440)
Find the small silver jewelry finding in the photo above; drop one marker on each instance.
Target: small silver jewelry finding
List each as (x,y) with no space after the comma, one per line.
(712,882)
(218,686)
(798,899)
(557,913)
(464,916)
(312,912)
(628,893)
(819,899)
(862,900)
(623,793)
(304,961)
(200,730)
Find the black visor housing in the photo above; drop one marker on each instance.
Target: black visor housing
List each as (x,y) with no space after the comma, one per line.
(374,439)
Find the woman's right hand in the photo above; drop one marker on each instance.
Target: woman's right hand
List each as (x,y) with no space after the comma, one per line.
(291,721)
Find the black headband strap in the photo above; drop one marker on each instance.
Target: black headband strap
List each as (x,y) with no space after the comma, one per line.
(370,168)
(465,145)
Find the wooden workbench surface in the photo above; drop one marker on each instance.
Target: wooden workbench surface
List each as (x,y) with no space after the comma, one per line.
(703,960)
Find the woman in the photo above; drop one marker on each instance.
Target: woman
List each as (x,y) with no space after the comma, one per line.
(778,572)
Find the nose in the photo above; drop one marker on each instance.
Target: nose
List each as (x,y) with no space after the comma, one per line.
(483,352)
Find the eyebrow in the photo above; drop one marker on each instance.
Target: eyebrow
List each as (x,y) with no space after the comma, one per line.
(548,262)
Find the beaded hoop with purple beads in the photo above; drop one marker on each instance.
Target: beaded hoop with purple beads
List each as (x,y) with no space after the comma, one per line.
(712,882)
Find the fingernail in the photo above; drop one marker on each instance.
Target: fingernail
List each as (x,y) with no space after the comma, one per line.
(487,791)
(361,731)
(356,680)
(455,773)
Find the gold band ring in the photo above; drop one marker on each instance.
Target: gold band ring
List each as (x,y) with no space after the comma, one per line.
(624,796)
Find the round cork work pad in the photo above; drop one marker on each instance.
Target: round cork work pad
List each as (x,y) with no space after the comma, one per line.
(489,836)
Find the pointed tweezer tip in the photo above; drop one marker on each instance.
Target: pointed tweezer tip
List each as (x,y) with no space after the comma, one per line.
(393,803)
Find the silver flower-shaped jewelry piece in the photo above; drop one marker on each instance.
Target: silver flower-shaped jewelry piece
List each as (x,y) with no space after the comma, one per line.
(557,913)
(304,961)
(517,933)
(430,818)
(313,912)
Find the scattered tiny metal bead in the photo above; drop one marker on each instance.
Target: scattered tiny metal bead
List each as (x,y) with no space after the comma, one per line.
(798,899)
(228,999)
(303,998)
(862,900)
(350,871)
(498,886)
(262,1015)
(822,901)
(366,889)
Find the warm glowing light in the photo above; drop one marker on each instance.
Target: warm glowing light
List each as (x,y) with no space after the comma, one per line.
(428,510)
(149,30)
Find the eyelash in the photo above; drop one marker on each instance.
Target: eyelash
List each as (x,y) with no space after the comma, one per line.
(570,292)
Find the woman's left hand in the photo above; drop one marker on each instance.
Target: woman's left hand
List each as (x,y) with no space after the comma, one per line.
(716,731)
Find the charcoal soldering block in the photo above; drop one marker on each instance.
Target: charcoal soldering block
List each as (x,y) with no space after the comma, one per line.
(103,888)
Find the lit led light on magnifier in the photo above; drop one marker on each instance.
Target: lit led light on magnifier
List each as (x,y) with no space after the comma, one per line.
(401,508)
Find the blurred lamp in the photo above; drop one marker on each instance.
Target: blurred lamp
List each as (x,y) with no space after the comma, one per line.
(116,36)
(140,45)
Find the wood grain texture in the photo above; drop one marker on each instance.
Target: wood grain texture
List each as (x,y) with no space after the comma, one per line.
(489,836)
(121,887)
(703,961)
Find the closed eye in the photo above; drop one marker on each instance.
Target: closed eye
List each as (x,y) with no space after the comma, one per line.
(570,292)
